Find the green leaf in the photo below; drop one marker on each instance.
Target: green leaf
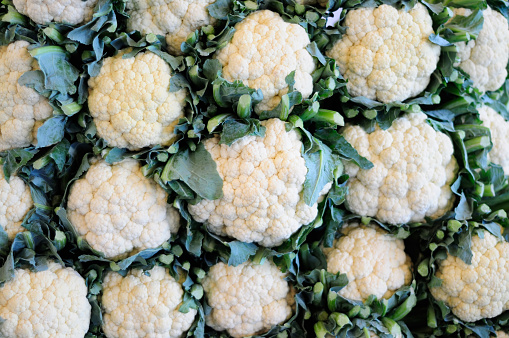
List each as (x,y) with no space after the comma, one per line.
(341,146)
(240,252)
(220,9)
(51,132)
(59,73)
(320,163)
(233,130)
(198,170)
(115,155)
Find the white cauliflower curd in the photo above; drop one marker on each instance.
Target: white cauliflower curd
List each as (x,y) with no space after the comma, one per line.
(119,211)
(263,179)
(499,129)
(71,12)
(414,168)
(15,202)
(50,303)
(374,262)
(144,304)
(247,299)
(175,19)
(479,290)
(22,109)
(385,53)
(263,51)
(485,58)
(131,103)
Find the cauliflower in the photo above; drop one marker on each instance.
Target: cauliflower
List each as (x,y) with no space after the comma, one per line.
(263,179)
(385,53)
(485,58)
(479,290)
(144,304)
(502,334)
(120,211)
(22,109)
(174,18)
(15,202)
(374,262)
(263,51)
(71,12)
(414,168)
(50,303)
(131,103)
(499,129)
(247,299)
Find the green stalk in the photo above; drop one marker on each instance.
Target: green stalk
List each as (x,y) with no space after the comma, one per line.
(29,240)
(318,293)
(331,300)
(351,113)
(405,308)
(320,330)
(285,108)
(46,50)
(477,143)
(432,318)
(72,108)
(423,269)
(53,34)
(42,162)
(244,106)
(392,326)
(216,121)
(60,240)
(370,114)
(329,116)
(453,225)
(216,92)
(310,112)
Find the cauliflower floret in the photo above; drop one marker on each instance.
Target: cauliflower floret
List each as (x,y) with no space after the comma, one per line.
(247,299)
(22,109)
(71,12)
(131,103)
(374,262)
(414,168)
(15,202)
(479,290)
(502,334)
(263,51)
(499,128)
(175,19)
(385,53)
(50,303)
(120,211)
(263,179)
(144,304)
(485,58)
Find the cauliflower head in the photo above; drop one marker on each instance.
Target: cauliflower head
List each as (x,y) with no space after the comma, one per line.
(263,51)
(175,19)
(499,128)
(71,12)
(131,103)
(22,109)
(49,303)
(144,304)
(119,211)
(414,168)
(15,202)
(247,299)
(485,58)
(481,289)
(385,53)
(263,180)
(374,262)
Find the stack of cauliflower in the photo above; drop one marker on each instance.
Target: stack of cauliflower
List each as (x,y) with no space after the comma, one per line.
(120,208)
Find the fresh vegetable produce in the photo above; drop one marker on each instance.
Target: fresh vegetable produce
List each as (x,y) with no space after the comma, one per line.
(47,303)
(252,168)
